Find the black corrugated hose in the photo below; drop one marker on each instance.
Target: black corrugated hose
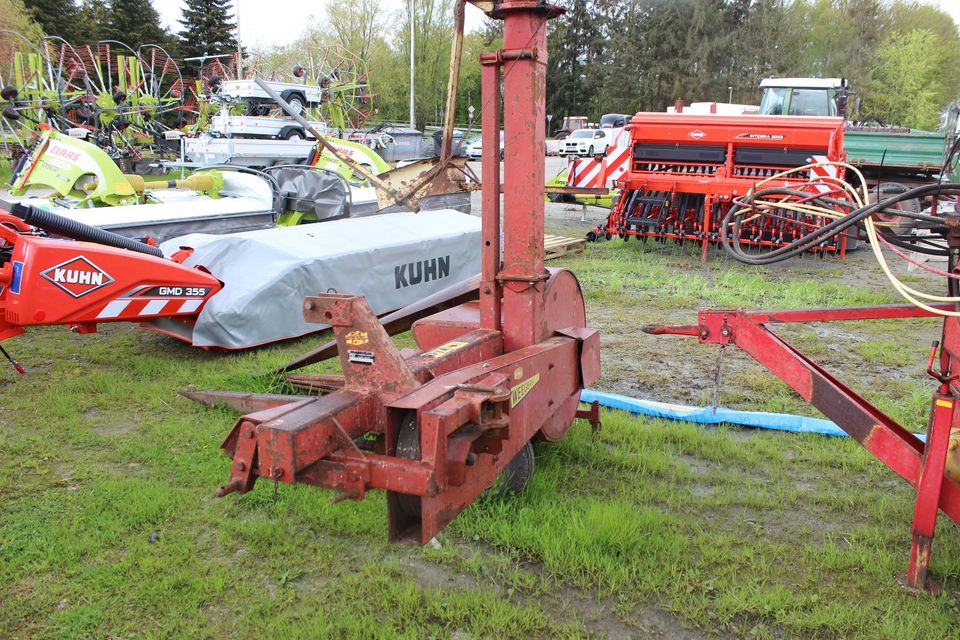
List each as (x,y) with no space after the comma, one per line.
(62,226)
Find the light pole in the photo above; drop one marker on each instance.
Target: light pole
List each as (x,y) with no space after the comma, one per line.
(730,98)
(239,48)
(413,119)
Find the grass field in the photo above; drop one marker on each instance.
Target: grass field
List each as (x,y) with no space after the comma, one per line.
(108,527)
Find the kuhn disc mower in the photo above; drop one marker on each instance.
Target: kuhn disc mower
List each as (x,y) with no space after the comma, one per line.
(435,427)
(106,278)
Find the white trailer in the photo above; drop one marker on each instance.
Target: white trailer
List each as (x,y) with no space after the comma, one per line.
(299,96)
(206,150)
(262,127)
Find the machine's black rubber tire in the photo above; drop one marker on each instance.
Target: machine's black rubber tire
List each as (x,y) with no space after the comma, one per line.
(511,481)
(296,100)
(408,446)
(515,476)
(293,134)
(889,189)
(591,236)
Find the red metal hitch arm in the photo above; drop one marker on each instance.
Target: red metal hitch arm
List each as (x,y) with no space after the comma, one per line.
(920,464)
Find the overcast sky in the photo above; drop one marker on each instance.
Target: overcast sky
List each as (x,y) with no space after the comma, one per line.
(268,22)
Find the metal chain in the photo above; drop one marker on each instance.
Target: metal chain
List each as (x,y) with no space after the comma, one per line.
(717,378)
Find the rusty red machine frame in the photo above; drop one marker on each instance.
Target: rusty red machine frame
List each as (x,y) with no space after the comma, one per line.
(434,427)
(920,463)
(686,170)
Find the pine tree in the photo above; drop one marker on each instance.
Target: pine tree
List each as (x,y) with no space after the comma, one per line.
(135,22)
(208,29)
(94,21)
(56,17)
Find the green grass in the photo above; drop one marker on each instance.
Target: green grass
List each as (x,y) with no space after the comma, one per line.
(108,527)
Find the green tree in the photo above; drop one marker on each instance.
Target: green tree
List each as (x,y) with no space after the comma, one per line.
(94,21)
(573,44)
(208,29)
(432,27)
(134,23)
(354,25)
(55,17)
(906,78)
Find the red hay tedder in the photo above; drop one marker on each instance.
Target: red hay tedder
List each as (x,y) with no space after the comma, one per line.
(686,170)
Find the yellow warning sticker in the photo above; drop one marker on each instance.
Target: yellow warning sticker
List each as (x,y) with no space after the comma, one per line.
(357,338)
(944,403)
(520,391)
(444,349)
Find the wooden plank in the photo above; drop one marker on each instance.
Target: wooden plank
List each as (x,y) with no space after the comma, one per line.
(556,246)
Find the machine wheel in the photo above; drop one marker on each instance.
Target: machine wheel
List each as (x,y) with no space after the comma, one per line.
(515,476)
(9,92)
(512,480)
(293,134)
(296,100)
(591,236)
(408,446)
(900,224)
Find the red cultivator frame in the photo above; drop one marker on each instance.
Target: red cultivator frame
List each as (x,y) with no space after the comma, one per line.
(686,170)
(921,464)
(435,427)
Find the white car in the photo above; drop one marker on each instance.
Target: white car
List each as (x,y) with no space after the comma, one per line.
(474,149)
(586,142)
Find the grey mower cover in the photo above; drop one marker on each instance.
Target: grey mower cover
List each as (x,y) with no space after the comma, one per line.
(309,191)
(393,259)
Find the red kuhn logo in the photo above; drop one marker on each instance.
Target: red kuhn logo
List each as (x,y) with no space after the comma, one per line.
(64,152)
(77,276)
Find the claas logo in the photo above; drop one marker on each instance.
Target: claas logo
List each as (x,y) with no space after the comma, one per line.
(357,338)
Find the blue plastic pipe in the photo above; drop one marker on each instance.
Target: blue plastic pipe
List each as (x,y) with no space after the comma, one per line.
(706,415)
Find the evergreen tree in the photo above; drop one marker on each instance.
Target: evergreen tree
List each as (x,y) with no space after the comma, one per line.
(55,17)
(208,29)
(135,22)
(94,21)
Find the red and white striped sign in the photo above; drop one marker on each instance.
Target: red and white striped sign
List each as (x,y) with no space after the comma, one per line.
(146,308)
(590,173)
(824,177)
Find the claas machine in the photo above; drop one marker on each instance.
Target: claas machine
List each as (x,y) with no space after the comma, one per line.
(436,426)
